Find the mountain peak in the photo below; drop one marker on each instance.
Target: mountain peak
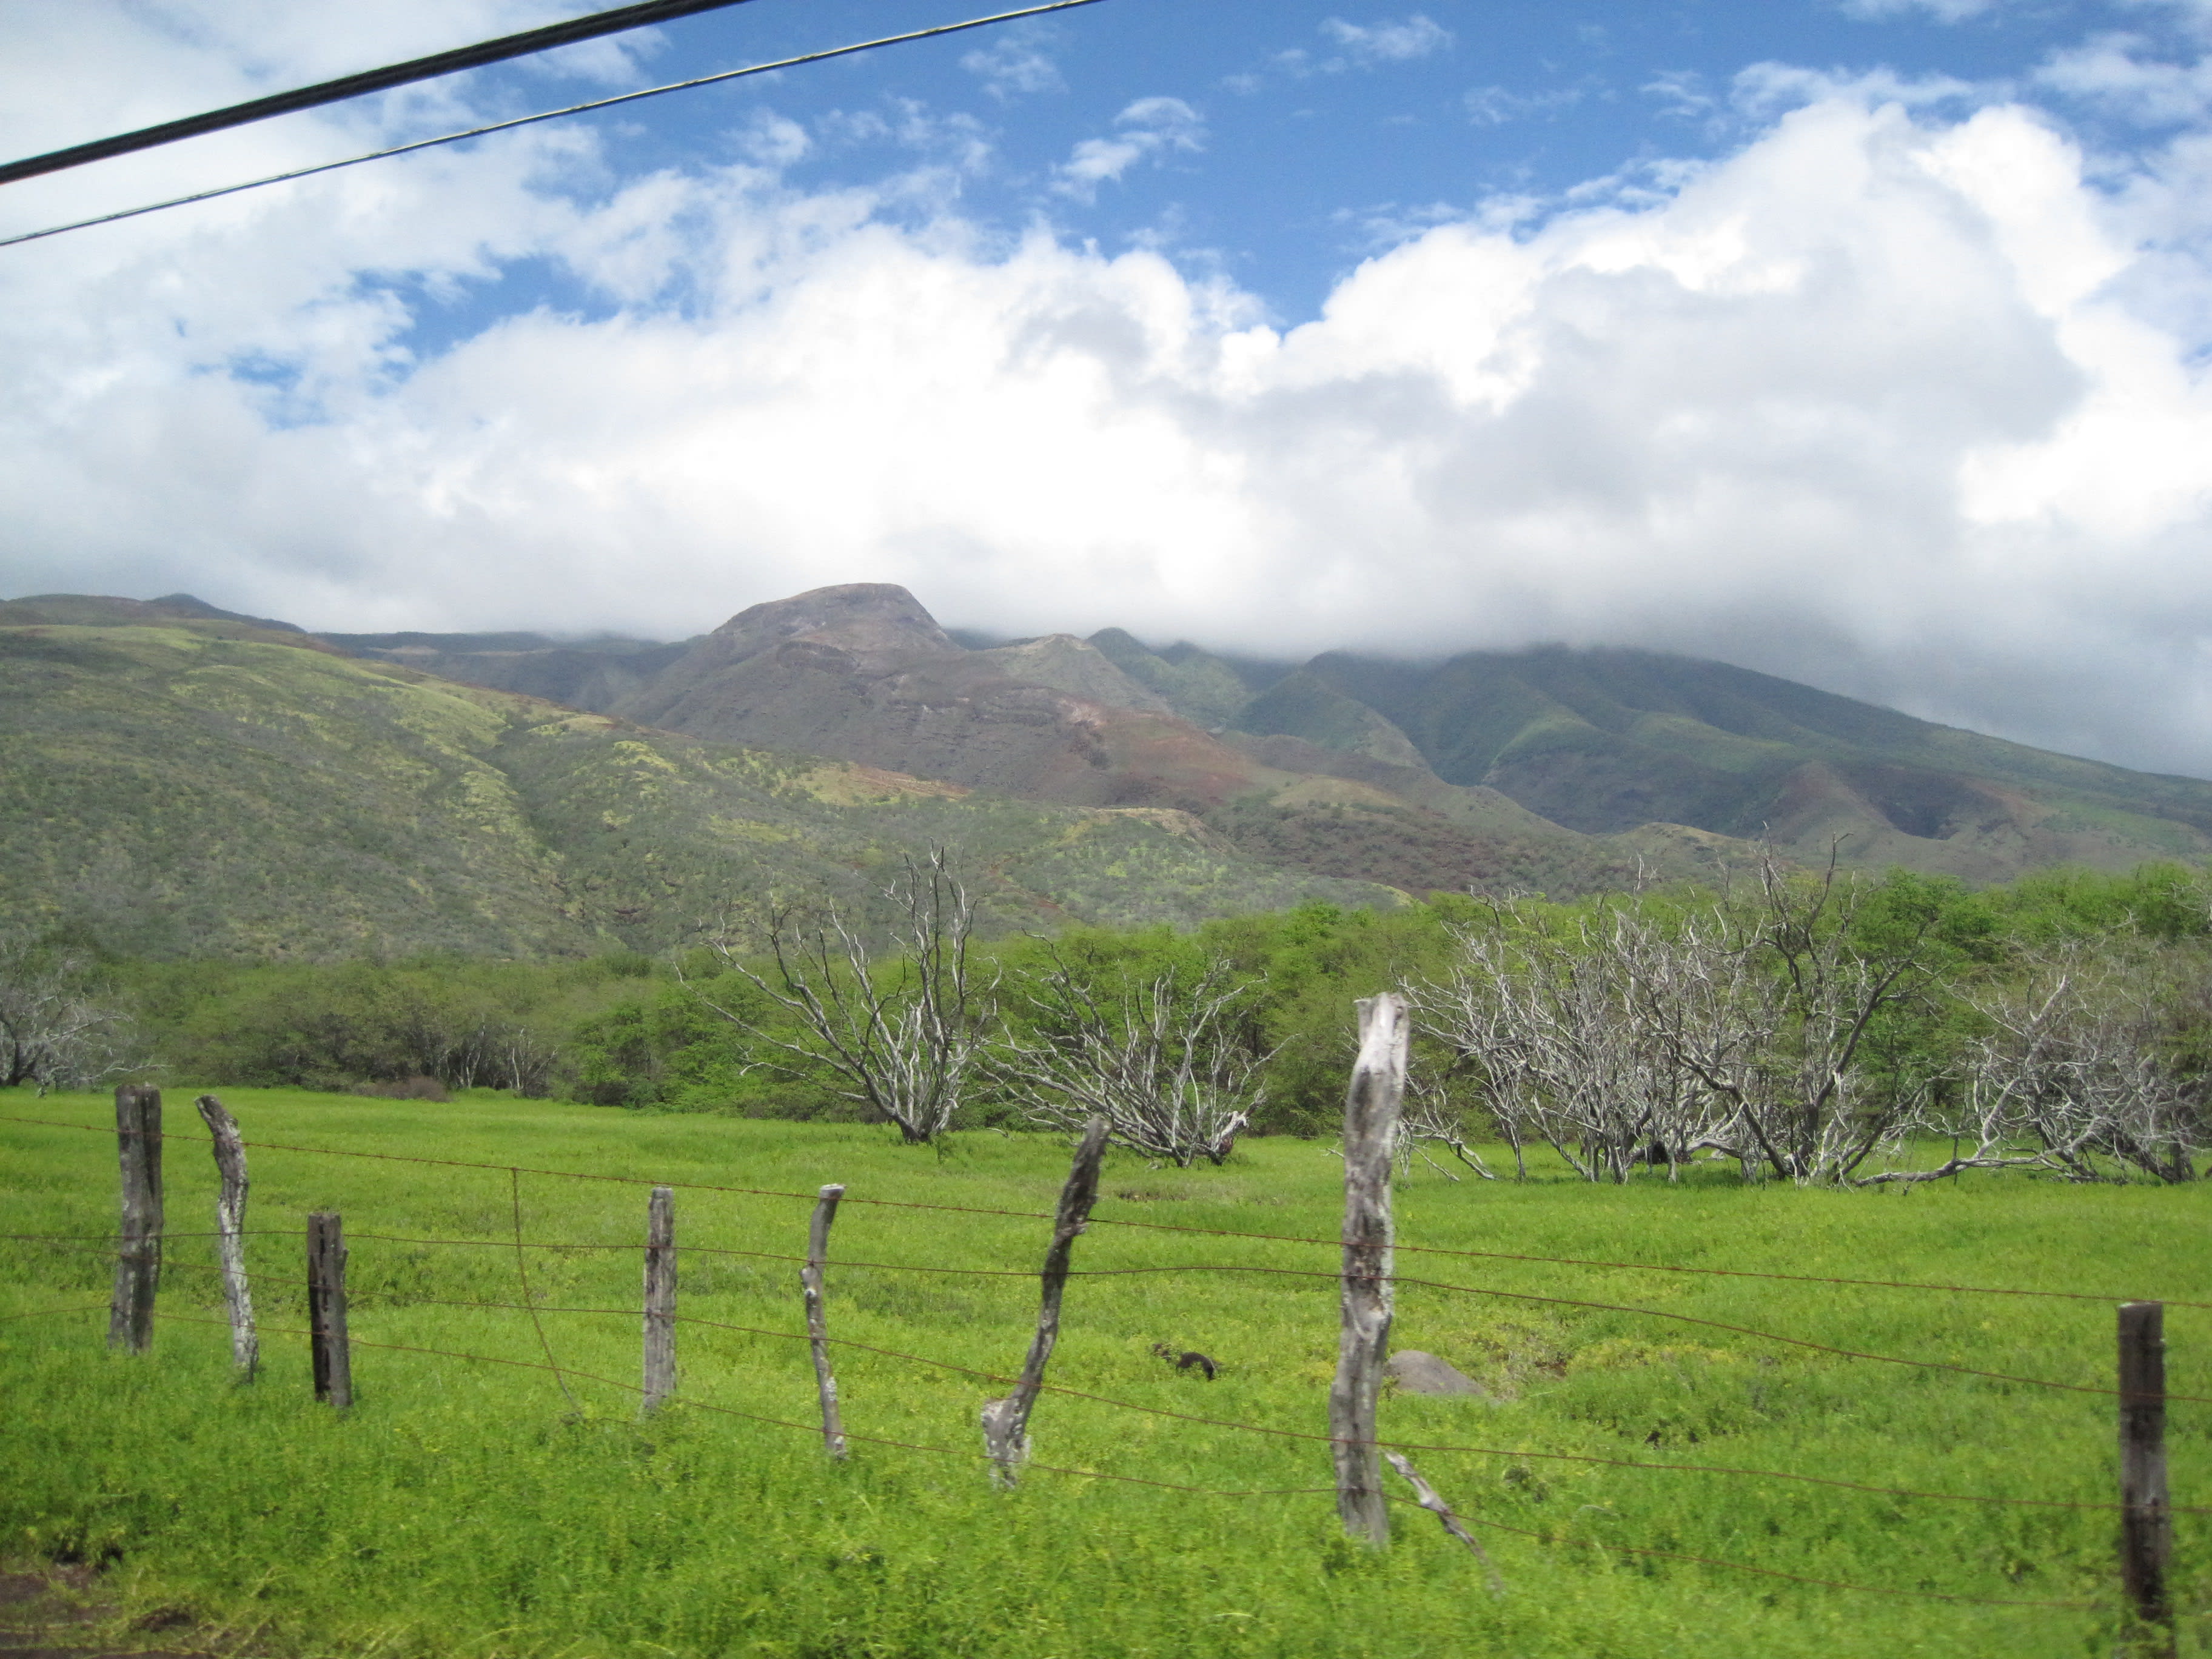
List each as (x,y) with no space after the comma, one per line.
(878,623)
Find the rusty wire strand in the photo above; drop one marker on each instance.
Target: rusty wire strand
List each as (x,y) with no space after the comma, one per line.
(1172,1227)
(1169,1485)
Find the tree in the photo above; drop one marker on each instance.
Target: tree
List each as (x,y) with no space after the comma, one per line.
(2074,1061)
(1563,1032)
(54,1031)
(1430,1117)
(901,1038)
(1780,1013)
(1161,1062)
(1747,1027)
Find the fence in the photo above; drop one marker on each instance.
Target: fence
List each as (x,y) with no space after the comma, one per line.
(1366,1277)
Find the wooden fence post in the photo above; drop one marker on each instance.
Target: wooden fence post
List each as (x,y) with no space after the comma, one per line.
(817,1323)
(2146,1519)
(326,1309)
(1006,1422)
(1370,1128)
(138,1249)
(659,1298)
(1426,1496)
(230,1234)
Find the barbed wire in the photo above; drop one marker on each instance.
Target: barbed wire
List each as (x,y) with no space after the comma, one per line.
(1630,1309)
(1592,1459)
(43,1312)
(1169,1485)
(1633,1310)
(1171,1227)
(1005,1378)
(535,1308)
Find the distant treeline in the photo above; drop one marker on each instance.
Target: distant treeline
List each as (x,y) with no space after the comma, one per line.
(1933,992)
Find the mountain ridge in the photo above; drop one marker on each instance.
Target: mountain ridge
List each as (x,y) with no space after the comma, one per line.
(1603,751)
(187,786)
(1232,781)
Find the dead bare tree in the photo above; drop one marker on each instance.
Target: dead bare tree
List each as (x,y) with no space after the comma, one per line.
(1429,1117)
(54,1032)
(1556,1029)
(900,1038)
(1742,1026)
(1792,1030)
(2073,1063)
(1161,1063)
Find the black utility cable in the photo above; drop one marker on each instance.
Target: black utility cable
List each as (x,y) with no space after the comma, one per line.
(551,114)
(355,86)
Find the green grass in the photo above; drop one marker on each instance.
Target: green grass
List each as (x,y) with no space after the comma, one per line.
(467,1510)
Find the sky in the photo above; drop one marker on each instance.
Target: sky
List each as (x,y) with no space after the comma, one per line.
(1863,341)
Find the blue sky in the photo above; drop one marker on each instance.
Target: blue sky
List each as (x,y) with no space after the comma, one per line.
(1860,341)
(1310,134)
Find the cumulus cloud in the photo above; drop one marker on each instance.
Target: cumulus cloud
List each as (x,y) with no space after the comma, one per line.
(1877,401)
(1149,129)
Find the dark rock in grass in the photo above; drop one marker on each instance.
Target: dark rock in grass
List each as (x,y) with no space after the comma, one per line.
(1424,1373)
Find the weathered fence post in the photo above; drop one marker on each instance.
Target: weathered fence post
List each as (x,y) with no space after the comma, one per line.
(2146,1519)
(326,1309)
(1006,1422)
(1426,1496)
(1371,1126)
(817,1323)
(138,1249)
(659,1298)
(230,1234)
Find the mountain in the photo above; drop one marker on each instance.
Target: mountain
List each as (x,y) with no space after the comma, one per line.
(1603,740)
(583,673)
(186,784)
(1557,769)
(184,779)
(865,673)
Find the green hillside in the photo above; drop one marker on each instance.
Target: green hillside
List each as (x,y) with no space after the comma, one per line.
(188,786)
(1250,782)
(1604,741)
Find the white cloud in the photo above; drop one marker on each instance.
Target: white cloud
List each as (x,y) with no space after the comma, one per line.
(1493,106)
(1889,400)
(1358,46)
(2120,73)
(1149,129)
(1013,66)
(1943,11)
(1763,91)
(1403,42)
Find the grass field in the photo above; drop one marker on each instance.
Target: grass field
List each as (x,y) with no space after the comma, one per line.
(469,1509)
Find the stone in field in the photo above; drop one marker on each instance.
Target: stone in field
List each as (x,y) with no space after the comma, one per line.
(1424,1373)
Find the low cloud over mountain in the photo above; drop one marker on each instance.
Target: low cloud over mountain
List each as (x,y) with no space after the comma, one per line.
(1904,396)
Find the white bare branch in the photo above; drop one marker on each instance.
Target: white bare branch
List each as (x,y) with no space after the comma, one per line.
(900,1038)
(54,1032)
(1161,1063)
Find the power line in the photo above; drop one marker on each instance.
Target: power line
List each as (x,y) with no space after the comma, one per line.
(553,114)
(616,21)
